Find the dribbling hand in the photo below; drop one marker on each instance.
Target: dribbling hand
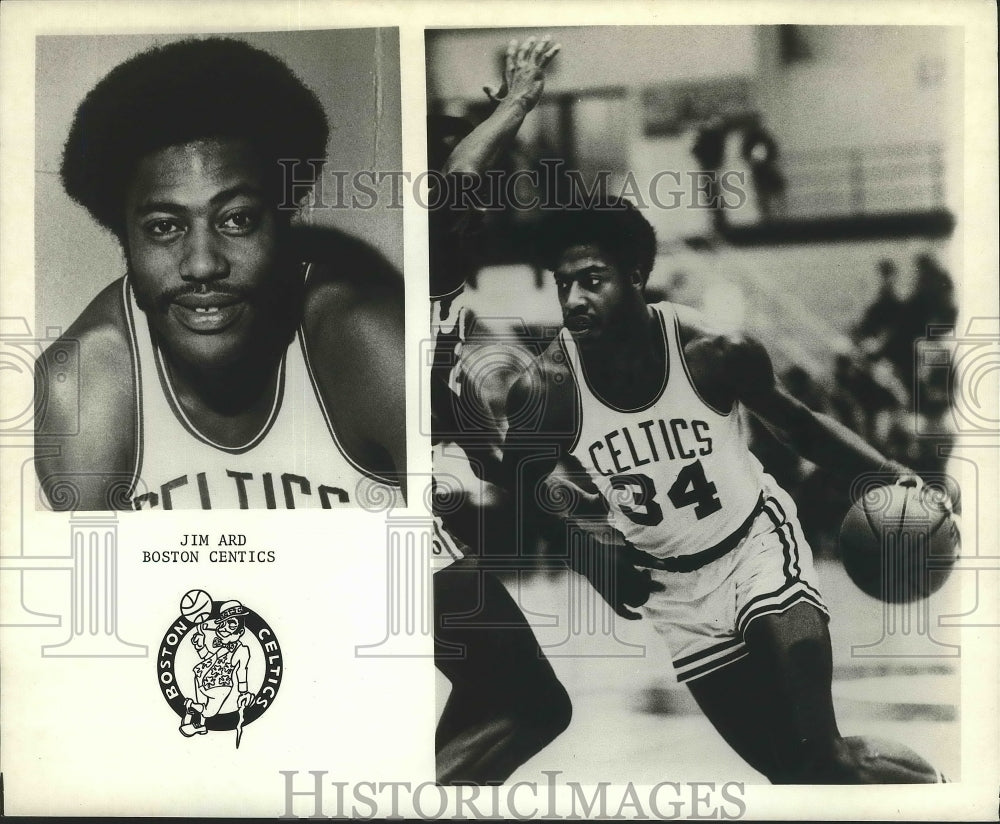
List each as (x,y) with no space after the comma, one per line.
(610,565)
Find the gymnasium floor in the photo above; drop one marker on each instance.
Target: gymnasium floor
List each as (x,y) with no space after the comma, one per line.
(633,722)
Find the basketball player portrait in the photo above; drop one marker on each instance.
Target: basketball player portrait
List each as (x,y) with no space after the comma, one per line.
(644,399)
(238,358)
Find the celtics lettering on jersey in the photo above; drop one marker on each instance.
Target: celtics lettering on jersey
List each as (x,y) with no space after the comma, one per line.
(620,453)
(678,475)
(266,491)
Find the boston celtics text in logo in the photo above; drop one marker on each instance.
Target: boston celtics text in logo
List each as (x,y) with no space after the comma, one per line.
(219,665)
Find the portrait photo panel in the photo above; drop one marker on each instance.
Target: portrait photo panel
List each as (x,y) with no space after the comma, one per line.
(217,342)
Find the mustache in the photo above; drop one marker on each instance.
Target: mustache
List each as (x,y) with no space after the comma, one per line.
(219,288)
(162,301)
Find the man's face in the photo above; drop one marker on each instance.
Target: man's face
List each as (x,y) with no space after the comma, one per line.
(593,293)
(203,251)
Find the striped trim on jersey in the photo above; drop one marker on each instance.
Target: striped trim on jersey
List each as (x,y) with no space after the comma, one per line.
(133,353)
(794,590)
(174,402)
(710,659)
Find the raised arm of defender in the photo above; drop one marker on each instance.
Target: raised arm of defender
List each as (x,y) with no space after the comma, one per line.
(520,90)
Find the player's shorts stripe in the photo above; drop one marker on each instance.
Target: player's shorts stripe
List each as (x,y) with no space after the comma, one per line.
(697,656)
(789,548)
(772,607)
(796,539)
(782,522)
(767,597)
(796,531)
(778,598)
(711,666)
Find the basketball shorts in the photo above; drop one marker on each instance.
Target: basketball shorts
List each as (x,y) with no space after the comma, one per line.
(704,614)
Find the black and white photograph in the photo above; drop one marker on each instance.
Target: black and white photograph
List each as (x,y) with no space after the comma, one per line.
(231,335)
(544,409)
(695,302)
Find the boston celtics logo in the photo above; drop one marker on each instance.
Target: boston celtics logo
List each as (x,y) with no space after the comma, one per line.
(219,665)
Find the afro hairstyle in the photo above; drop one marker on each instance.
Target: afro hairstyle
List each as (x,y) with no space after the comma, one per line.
(181,92)
(613,224)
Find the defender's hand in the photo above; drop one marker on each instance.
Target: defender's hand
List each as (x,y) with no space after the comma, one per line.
(524,72)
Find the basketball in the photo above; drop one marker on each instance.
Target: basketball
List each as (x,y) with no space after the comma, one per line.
(196,605)
(899,542)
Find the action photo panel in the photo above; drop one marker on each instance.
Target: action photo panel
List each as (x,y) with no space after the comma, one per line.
(694,323)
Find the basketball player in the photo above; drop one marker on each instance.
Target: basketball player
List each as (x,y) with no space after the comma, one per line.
(646,401)
(506,703)
(221,371)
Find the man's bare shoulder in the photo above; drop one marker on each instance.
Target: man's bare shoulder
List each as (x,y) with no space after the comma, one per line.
(350,300)
(86,401)
(91,356)
(724,364)
(102,326)
(544,393)
(353,327)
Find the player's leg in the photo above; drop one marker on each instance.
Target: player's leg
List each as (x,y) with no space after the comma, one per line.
(712,661)
(775,709)
(506,703)
(794,646)
(736,700)
(782,690)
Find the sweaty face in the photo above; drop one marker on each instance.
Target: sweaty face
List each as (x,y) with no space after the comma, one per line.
(203,251)
(594,294)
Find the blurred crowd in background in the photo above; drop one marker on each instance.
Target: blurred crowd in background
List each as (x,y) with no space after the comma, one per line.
(884,386)
(838,131)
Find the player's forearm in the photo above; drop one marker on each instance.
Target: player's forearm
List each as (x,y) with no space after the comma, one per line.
(831,445)
(479,150)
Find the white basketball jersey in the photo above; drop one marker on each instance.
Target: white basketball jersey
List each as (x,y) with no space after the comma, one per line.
(678,475)
(295,461)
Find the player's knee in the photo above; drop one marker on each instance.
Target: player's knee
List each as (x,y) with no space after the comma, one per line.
(550,710)
(560,710)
